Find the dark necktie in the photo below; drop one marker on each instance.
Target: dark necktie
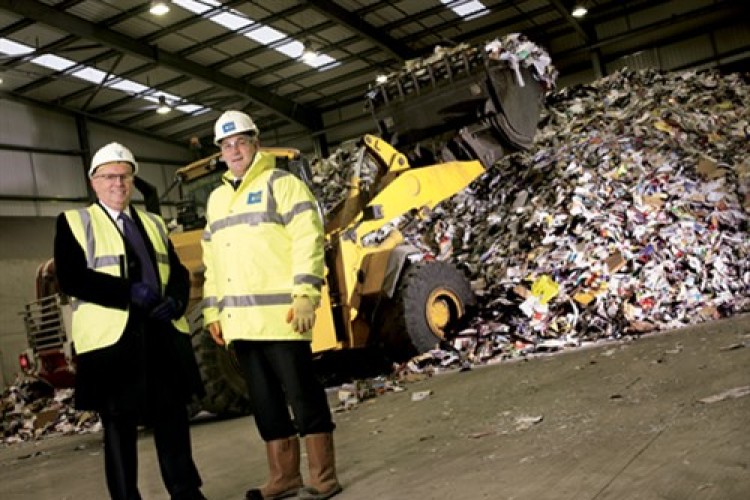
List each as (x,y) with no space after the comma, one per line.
(134,237)
(236,183)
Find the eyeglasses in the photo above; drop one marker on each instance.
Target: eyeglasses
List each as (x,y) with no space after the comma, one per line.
(114,177)
(240,142)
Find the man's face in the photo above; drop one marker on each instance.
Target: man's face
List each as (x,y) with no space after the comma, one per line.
(237,152)
(113,184)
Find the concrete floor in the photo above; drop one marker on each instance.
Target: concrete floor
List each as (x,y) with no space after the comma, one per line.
(621,420)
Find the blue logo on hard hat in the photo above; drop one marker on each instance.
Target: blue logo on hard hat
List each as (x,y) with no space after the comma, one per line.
(228,127)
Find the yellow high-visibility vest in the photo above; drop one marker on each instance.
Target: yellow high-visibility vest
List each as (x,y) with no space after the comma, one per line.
(95,326)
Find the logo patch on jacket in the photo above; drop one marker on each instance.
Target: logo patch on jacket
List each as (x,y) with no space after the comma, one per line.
(254,198)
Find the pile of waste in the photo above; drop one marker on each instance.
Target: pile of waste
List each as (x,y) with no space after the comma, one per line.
(32,409)
(629,215)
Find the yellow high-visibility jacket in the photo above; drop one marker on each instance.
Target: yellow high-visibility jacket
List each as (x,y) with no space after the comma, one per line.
(94,326)
(262,246)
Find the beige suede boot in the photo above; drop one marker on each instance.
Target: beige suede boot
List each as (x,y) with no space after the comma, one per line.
(322,462)
(284,478)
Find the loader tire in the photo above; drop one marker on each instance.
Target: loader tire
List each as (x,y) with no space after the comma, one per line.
(430,298)
(226,393)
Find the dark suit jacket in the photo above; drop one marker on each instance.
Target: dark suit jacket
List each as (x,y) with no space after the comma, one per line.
(148,363)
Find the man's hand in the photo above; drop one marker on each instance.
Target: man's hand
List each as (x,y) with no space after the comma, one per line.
(301,315)
(143,296)
(166,311)
(215,330)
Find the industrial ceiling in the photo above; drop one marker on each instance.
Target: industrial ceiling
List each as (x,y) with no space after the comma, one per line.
(115,61)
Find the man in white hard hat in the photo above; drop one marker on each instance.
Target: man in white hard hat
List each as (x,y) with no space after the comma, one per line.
(135,363)
(263,253)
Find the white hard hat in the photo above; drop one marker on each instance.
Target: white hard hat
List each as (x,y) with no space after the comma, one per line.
(231,123)
(112,152)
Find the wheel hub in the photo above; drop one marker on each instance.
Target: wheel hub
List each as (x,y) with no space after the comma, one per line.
(443,306)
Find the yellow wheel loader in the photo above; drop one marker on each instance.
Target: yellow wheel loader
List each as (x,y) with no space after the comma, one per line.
(453,117)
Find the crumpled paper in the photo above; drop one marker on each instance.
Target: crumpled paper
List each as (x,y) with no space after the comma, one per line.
(33,410)
(631,201)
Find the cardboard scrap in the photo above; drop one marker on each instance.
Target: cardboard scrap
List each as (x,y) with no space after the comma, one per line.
(734,393)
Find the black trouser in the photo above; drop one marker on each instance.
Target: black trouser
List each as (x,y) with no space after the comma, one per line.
(280,374)
(172,439)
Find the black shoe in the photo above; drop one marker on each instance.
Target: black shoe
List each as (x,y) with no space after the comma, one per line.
(191,495)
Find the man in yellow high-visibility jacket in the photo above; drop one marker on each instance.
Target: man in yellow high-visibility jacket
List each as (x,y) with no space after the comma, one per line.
(263,253)
(135,363)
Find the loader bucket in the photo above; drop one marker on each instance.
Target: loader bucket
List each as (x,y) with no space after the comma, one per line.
(479,106)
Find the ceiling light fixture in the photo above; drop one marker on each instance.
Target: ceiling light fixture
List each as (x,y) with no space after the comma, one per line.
(163,107)
(381,78)
(159,7)
(308,53)
(579,10)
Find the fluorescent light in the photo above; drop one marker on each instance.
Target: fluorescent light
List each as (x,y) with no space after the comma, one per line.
(14,49)
(266,35)
(95,76)
(159,7)
(197,7)
(230,21)
(381,78)
(579,11)
(128,86)
(234,20)
(467,9)
(53,62)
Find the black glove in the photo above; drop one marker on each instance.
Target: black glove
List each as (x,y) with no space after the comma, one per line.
(143,296)
(166,311)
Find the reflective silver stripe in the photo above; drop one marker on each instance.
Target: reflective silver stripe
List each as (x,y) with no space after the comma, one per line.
(252,219)
(90,243)
(271,215)
(297,209)
(161,258)
(210,302)
(308,279)
(106,260)
(155,220)
(273,299)
(275,218)
(271,206)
